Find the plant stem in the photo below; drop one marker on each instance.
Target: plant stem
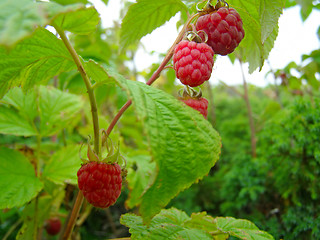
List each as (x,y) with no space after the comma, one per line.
(94,111)
(73,217)
(92,99)
(12,228)
(156,74)
(250,116)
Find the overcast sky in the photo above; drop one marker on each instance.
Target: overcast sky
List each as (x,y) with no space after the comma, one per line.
(295,38)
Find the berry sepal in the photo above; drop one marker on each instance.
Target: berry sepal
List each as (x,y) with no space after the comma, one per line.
(194,99)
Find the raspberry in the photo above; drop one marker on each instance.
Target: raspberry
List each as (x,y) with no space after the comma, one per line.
(199,104)
(53,226)
(193,62)
(100,183)
(224,30)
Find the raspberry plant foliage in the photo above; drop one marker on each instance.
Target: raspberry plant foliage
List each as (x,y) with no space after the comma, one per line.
(33,55)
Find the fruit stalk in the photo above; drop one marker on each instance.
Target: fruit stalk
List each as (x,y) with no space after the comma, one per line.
(92,99)
(94,110)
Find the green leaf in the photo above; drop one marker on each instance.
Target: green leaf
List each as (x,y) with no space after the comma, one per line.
(146,15)
(19,18)
(34,60)
(241,228)
(207,223)
(306,8)
(68,2)
(168,224)
(138,180)
(81,21)
(12,122)
(63,166)
(27,232)
(183,144)
(57,109)
(18,182)
(260,21)
(24,103)
(97,73)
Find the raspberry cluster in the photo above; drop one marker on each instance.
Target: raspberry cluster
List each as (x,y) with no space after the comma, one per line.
(100,183)
(220,31)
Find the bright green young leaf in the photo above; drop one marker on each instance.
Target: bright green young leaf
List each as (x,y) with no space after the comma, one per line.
(13,123)
(63,166)
(241,228)
(34,60)
(138,180)
(146,15)
(18,182)
(183,144)
(80,21)
(168,224)
(57,109)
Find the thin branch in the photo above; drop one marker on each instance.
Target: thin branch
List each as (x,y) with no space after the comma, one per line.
(232,88)
(250,115)
(93,103)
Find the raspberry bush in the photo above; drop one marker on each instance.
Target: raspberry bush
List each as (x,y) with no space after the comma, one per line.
(63,85)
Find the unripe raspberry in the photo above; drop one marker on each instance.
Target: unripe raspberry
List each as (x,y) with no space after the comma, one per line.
(53,226)
(224,29)
(100,183)
(199,104)
(193,62)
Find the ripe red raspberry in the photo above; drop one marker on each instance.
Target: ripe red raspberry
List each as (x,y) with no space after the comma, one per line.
(224,30)
(100,183)
(53,226)
(193,62)
(199,104)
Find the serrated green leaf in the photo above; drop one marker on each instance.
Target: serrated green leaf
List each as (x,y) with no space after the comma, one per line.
(57,109)
(260,21)
(183,144)
(168,224)
(80,21)
(18,181)
(138,180)
(207,223)
(63,166)
(34,60)
(12,122)
(19,18)
(24,103)
(146,15)
(242,229)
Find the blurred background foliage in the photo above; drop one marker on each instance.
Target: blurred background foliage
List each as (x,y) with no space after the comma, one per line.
(278,189)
